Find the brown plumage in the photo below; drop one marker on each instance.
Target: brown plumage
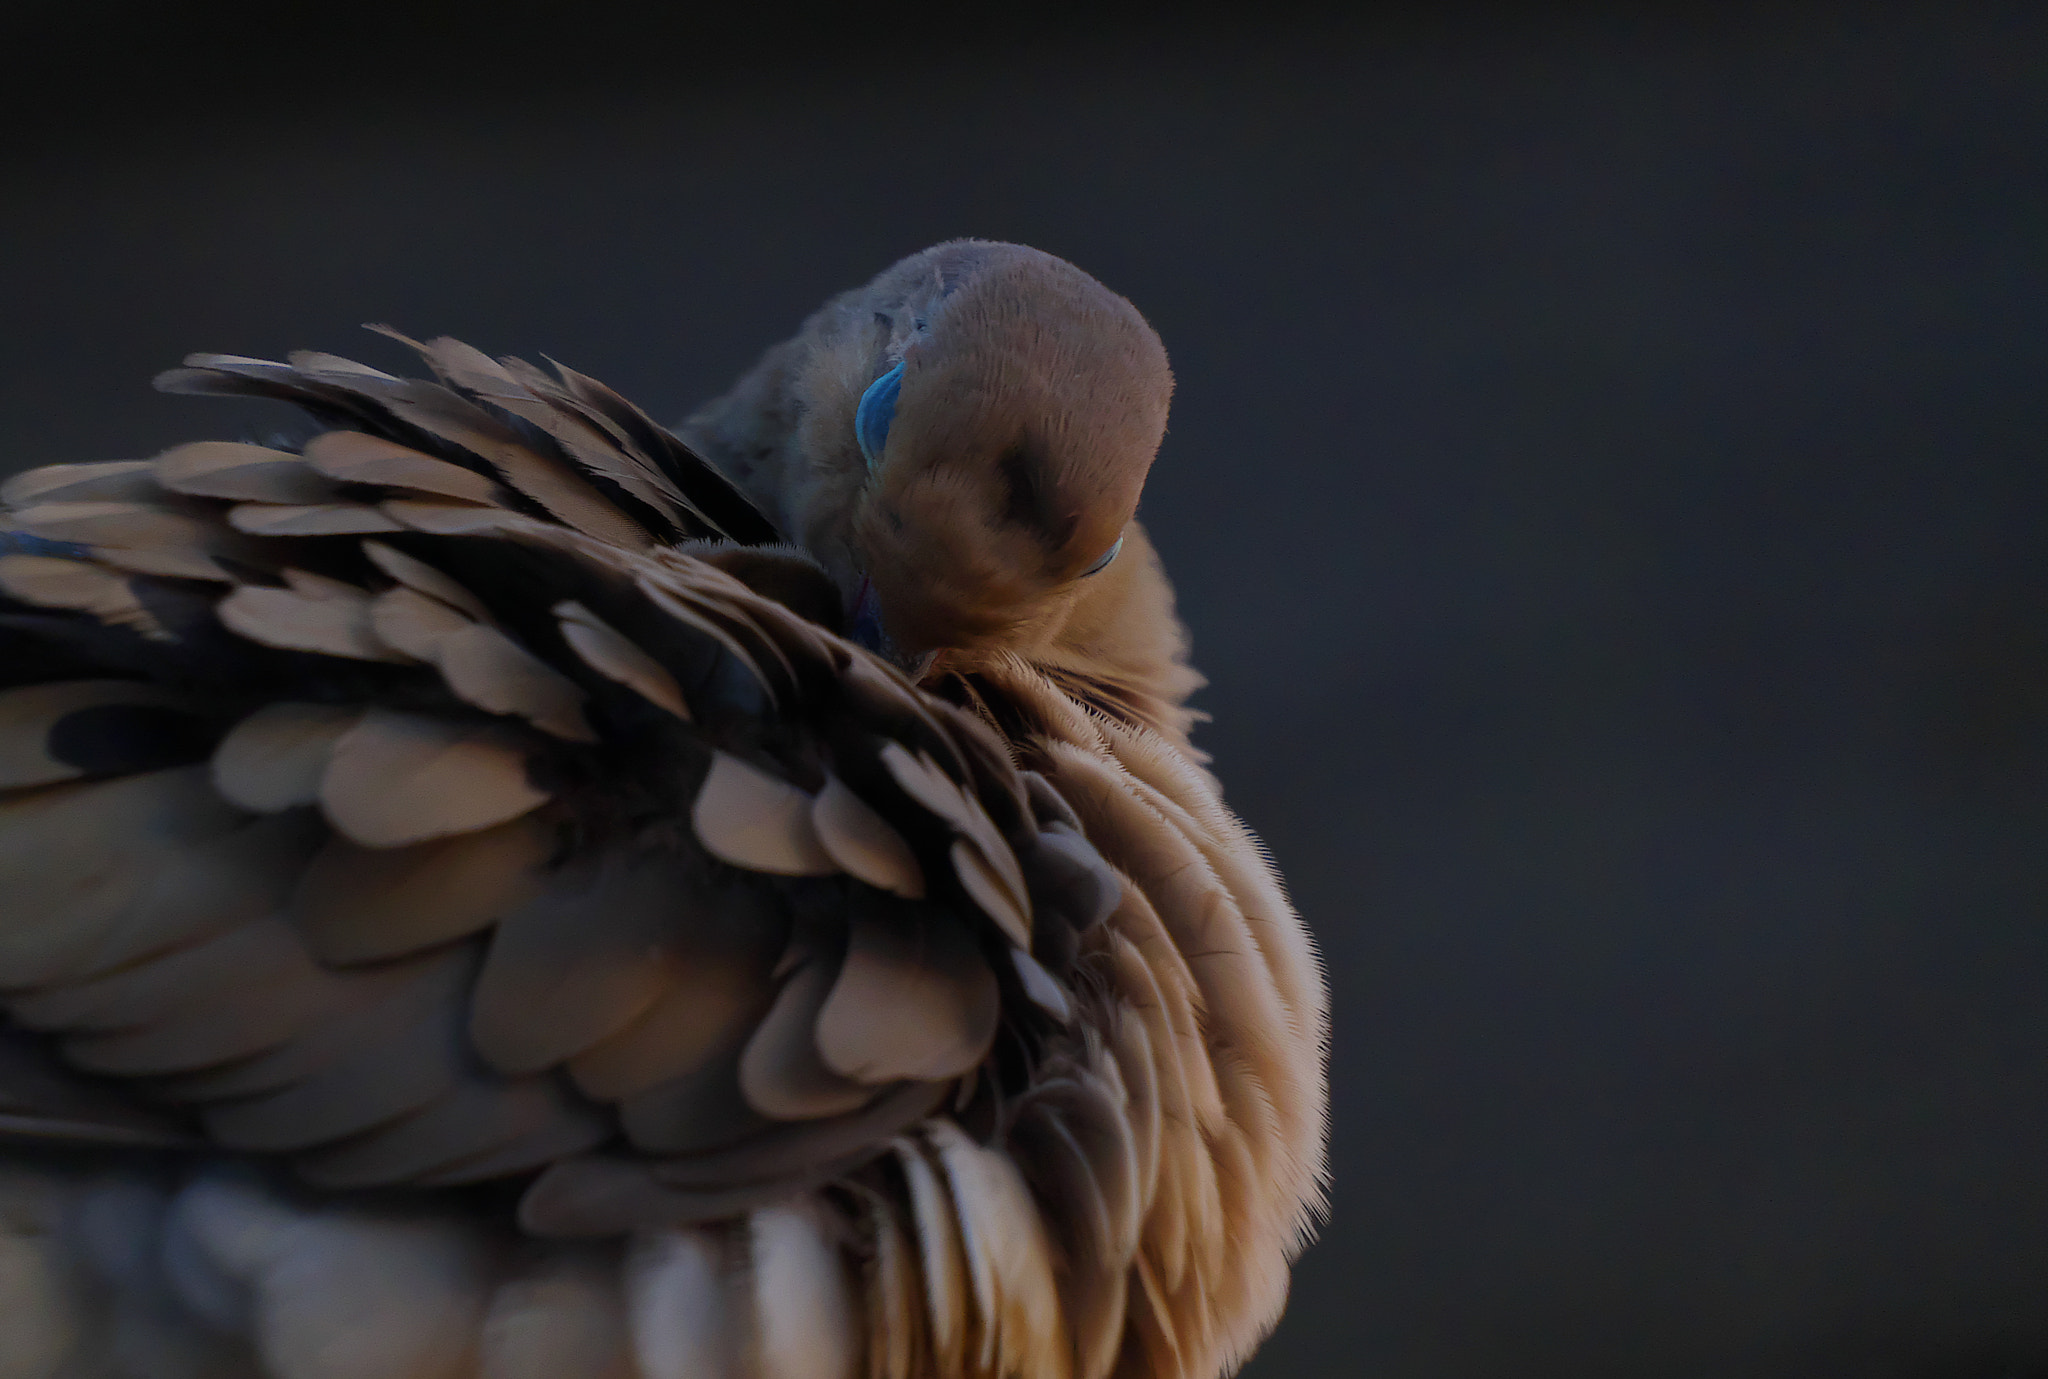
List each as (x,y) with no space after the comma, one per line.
(771,926)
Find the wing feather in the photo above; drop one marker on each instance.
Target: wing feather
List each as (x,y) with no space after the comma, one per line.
(675,1286)
(352,457)
(562,1318)
(357,904)
(398,778)
(115,481)
(246,473)
(578,962)
(275,758)
(804,1320)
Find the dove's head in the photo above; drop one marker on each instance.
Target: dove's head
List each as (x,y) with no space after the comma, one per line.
(1005,408)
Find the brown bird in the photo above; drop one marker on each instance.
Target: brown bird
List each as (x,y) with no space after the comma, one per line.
(503,889)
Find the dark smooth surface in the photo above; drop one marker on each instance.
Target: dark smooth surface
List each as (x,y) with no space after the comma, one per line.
(1606,486)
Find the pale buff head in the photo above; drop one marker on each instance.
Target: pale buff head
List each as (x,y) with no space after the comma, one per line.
(1031,402)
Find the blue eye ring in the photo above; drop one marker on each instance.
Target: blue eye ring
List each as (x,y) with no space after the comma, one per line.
(871,419)
(1102,561)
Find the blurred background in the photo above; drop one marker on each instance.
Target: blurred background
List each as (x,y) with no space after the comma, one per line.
(1606,486)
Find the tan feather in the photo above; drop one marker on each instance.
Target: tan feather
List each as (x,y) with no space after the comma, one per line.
(355,458)
(314,614)
(1154,1320)
(170,562)
(422,1282)
(859,839)
(1041,986)
(134,536)
(791,1151)
(232,996)
(322,519)
(1131,1050)
(703,1013)
(985,885)
(246,473)
(561,1319)
(664,596)
(469,1124)
(54,582)
(152,894)
(493,672)
(675,1299)
(707,489)
(359,904)
(379,1017)
(452,519)
(79,858)
(417,574)
(751,819)
(1045,1143)
(398,778)
(562,1137)
(1174,1181)
(871,680)
(537,381)
(722,946)
(28,714)
(1074,1136)
(698,1110)
(616,657)
(332,368)
(1047,804)
(548,481)
(803,1301)
(948,1292)
(911,1001)
(781,1072)
(1182,793)
(418,1062)
(471,368)
(725,602)
(1176,939)
(1008,1259)
(994,864)
(627,430)
(577,963)
(409,621)
(152,991)
(111,481)
(274,758)
(111,524)
(481,664)
(239,364)
(895,1319)
(600,1195)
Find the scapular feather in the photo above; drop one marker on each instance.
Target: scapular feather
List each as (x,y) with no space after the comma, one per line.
(247,473)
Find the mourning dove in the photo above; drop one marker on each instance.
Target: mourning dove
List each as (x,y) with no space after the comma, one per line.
(502,889)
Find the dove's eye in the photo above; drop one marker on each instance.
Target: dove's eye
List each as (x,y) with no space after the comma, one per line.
(1102,561)
(877,409)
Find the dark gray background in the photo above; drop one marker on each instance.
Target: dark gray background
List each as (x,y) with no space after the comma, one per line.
(1606,486)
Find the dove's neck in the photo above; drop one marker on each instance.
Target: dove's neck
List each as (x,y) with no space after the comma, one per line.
(1118,649)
